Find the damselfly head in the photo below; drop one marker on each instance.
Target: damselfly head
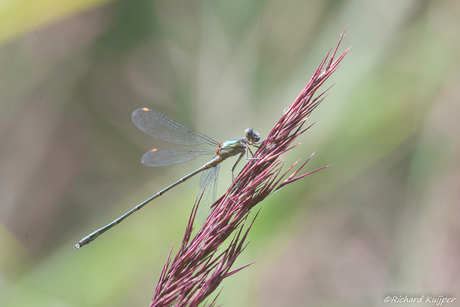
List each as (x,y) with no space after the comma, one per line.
(252,135)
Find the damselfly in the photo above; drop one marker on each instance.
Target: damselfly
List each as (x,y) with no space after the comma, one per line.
(165,129)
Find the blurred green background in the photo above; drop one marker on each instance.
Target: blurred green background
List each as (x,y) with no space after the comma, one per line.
(384,220)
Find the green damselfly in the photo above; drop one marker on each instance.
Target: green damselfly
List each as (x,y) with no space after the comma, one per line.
(165,129)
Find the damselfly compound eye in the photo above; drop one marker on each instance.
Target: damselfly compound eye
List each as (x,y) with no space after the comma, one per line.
(251,135)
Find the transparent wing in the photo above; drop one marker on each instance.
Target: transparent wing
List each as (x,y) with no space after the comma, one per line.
(169,156)
(165,129)
(208,188)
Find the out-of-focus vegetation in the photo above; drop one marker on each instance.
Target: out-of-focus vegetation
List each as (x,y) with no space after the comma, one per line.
(383,220)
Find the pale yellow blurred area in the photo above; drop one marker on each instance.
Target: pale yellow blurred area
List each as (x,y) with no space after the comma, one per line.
(18,17)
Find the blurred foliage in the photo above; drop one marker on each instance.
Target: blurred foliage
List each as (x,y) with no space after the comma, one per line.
(383,220)
(22,16)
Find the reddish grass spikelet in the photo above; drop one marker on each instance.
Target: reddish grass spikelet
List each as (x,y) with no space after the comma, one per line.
(198,267)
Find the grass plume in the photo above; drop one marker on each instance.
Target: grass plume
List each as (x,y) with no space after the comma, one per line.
(198,268)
